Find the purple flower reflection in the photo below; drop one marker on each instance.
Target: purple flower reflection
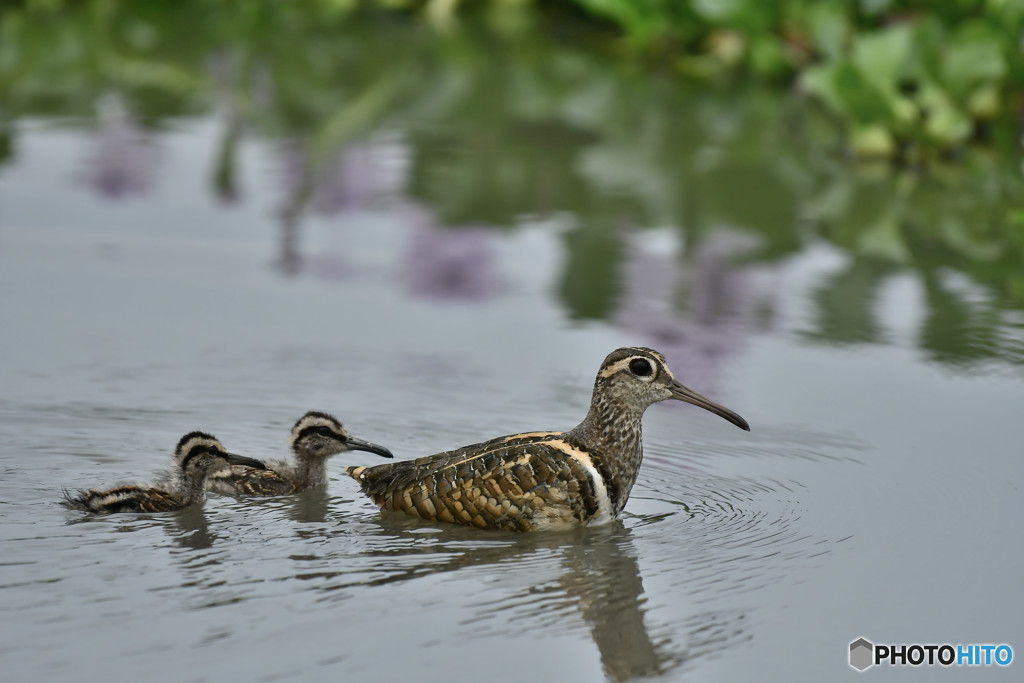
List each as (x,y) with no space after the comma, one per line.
(327,265)
(449,264)
(699,312)
(365,172)
(124,158)
(351,178)
(338,183)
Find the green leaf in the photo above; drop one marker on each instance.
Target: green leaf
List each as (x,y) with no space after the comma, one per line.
(637,19)
(882,55)
(767,56)
(984,102)
(874,6)
(862,100)
(949,126)
(718,10)
(974,56)
(829,26)
(945,122)
(872,142)
(820,81)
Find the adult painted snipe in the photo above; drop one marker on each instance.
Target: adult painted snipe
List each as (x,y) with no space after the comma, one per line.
(543,480)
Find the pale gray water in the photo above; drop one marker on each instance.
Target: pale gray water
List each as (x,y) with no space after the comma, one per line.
(878,493)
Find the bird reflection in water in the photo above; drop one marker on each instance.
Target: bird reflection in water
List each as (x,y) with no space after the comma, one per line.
(192,529)
(311,505)
(598,577)
(188,527)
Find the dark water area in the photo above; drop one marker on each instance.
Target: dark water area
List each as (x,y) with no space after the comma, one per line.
(220,222)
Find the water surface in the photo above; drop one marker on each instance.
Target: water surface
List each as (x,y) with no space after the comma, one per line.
(439,245)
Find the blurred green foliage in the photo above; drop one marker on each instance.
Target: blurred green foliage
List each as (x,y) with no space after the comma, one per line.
(906,77)
(519,113)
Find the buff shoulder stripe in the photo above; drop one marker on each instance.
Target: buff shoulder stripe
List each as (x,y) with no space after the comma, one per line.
(604,503)
(506,443)
(528,435)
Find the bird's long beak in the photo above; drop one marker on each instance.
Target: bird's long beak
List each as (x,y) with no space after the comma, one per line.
(355,444)
(682,393)
(244,461)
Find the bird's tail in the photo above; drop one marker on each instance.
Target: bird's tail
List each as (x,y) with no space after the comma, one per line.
(74,502)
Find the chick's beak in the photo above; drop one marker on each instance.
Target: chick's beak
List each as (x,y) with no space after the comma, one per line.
(355,444)
(244,461)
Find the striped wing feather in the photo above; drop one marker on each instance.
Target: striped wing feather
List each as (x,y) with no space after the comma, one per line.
(487,446)
(240,480)
(123,499)
(521,482)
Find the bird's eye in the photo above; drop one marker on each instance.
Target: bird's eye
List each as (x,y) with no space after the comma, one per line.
(640,367)
(324,431)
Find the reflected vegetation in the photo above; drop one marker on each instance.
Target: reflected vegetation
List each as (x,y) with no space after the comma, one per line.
(468,134)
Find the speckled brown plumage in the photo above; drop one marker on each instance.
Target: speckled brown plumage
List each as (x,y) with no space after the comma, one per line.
(517,485)
(315,437)
(542,480)
(197,455)
(245,481)
(125,499)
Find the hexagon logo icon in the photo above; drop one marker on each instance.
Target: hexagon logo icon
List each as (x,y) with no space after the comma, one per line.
(861,654)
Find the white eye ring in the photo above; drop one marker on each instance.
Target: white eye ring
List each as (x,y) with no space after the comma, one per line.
(642,369)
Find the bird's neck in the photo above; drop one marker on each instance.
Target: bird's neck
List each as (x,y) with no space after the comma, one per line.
(310,470)
(192,486)
(611,434)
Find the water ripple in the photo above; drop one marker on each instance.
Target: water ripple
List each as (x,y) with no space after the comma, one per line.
(701,527)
